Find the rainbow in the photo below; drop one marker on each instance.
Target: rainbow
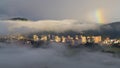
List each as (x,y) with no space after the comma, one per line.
(100,16)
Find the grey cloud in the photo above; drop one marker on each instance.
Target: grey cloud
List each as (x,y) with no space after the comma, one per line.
(60,9)
(7,26)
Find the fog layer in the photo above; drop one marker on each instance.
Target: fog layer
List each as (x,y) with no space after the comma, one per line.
(56,56)
(8,26)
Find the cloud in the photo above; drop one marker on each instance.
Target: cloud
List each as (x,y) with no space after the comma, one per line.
(9,26)
(59,9)
(55,56)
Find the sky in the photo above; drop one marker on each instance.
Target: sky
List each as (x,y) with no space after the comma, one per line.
(57,15)
(82,10)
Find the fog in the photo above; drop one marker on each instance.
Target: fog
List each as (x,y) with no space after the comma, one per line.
(9,26)
(55,56)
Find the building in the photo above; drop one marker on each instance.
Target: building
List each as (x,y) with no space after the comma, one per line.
(97,39)
(21,37)
(44,38)
(63,39)
(76,37)
(107,41)
(83,39)
(35,38)
(57,39)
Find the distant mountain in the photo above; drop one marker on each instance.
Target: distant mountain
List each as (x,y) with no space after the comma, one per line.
(112,29)
(108,30)
(18,18)
(115,26)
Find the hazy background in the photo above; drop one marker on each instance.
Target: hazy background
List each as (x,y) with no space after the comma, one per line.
(81,10)
(56,15)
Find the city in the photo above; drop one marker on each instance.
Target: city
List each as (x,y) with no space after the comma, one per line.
(59,33)
(76,40)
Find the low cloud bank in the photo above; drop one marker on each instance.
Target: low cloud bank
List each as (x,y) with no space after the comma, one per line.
(9,26)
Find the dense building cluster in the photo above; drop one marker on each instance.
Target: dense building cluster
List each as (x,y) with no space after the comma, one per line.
(110,42)
(70,40)
(76,40)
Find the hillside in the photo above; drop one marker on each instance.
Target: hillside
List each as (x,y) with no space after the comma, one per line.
(109,30)
(18,18)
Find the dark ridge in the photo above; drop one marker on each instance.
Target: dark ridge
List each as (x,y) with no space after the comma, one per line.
(114,23)
(111,30)
(19,18)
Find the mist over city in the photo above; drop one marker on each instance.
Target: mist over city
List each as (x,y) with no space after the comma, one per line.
(59,34)
(9,26)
